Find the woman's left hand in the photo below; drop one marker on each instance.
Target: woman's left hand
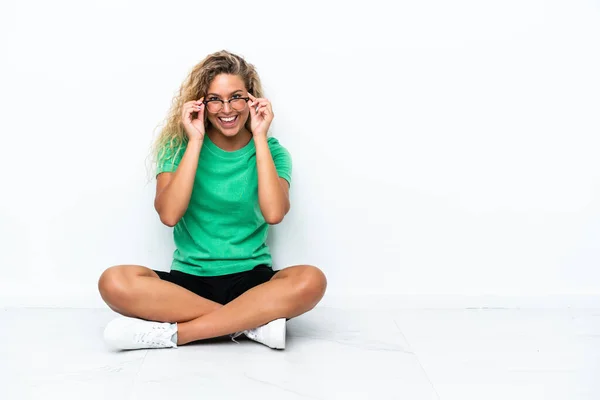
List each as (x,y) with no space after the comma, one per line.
(261,115)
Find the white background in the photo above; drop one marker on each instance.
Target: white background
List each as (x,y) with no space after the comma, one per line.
(440,148)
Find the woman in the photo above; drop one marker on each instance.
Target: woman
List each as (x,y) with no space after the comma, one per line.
(220,183)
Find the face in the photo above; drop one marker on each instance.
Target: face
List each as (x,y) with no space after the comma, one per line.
(230,120)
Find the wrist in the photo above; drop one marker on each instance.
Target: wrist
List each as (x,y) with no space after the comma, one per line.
(196,141)
(260,138)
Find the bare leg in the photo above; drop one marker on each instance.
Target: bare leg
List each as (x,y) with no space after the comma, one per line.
(136,291)
(291,292)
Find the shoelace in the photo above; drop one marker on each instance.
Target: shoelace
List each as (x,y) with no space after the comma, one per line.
(251,333)
(152,337)
(235,335)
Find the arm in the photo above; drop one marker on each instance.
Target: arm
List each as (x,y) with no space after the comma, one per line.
(174,189)
(273,191)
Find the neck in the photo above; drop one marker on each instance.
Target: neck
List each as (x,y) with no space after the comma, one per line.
(229,143)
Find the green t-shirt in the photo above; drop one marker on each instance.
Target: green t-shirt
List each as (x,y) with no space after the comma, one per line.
(223,230)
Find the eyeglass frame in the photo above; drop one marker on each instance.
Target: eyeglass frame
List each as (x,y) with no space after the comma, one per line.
(226,101)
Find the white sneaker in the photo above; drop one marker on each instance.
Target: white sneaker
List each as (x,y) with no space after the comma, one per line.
(271,334)
(132,333)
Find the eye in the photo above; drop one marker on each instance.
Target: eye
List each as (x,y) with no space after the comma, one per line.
(213,98)
(236,96)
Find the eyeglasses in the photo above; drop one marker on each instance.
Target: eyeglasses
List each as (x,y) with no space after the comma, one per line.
(216,105)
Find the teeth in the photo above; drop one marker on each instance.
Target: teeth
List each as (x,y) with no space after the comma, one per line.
(227,119)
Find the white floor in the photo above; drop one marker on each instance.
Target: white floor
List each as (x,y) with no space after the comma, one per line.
(331,354)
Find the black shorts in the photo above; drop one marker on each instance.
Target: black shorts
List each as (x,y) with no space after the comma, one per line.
(220,289)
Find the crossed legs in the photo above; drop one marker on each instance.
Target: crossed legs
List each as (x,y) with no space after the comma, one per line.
(137,291)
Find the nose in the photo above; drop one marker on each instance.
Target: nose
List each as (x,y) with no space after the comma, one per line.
(226,106)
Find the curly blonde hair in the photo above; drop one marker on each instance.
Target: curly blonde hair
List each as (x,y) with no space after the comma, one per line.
(172,136)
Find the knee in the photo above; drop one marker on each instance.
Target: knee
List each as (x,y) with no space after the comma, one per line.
(113,284)
(311,283)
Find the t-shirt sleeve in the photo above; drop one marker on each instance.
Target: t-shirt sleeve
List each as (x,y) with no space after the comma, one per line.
(169,158)
(282,159)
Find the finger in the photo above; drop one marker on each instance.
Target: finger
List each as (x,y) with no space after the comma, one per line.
(251,97)
(185,113)
(189,110)
(262,102)
(253,107)
(257,106)
(264,113)
(257,100)
(264,105)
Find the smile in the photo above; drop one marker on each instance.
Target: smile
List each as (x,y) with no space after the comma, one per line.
(228,120)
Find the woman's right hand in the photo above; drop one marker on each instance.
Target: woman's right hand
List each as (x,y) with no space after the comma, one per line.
(194,127)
